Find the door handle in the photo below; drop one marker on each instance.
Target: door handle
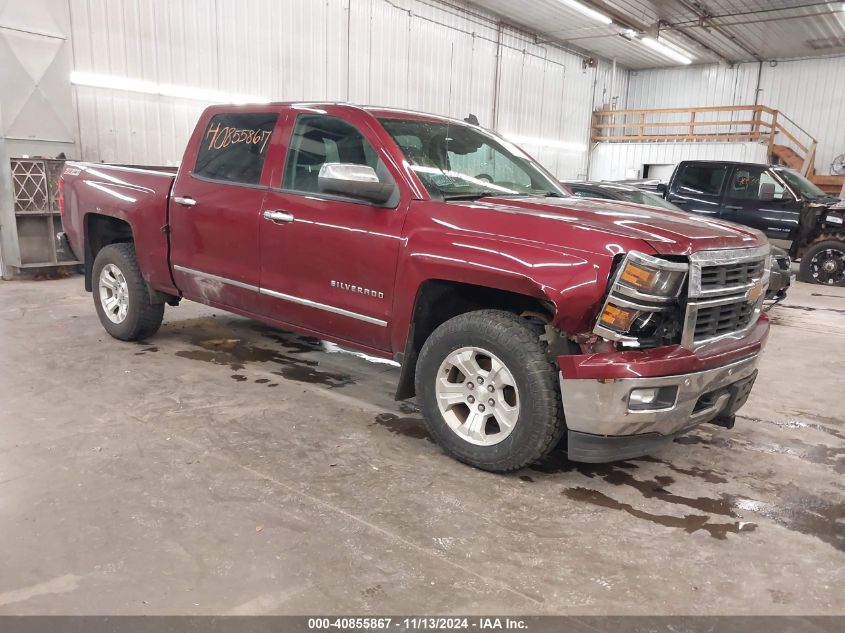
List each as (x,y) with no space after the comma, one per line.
(732,207)
(185,201)
(278,216)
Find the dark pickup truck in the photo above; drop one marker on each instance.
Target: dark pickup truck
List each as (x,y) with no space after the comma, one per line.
(780,202)
(520,315)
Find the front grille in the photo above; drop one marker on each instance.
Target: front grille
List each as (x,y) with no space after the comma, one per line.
(723,319)
(730,275)
(725,293)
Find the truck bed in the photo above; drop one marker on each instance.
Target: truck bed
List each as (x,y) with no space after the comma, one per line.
(138,196)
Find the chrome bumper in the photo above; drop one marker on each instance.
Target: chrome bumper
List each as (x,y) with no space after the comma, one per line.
(601,408)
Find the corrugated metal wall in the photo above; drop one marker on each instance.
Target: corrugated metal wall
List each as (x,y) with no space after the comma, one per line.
(611,161)
(420,54)
(811,92)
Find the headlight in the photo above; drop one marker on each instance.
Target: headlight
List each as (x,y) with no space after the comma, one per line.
(643,290)
(651,276)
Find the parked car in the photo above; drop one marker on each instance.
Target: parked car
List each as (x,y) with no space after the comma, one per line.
(781,266)
(780,202)
(780,275)
(518,313)
(617,191)
(648,184)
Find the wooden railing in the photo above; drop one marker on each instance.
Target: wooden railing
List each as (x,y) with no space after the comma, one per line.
(754,123)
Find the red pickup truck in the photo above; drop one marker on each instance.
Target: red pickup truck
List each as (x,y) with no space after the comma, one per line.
(520,315)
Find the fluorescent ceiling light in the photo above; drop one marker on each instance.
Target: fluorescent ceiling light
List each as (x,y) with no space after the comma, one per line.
(589,12)
(545,142)
(666,51)
(675,47)
(112,82)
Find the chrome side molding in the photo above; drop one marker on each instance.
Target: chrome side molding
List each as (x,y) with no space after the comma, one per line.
(280,295)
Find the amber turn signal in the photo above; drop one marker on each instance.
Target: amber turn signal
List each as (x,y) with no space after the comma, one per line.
(638,277)
(618,318)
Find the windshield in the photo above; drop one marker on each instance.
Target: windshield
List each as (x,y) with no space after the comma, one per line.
(645,197)
(804,187)
(456,161)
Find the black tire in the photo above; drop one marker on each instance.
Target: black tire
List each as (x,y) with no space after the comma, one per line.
(810,270)
(539,425)
(142,317)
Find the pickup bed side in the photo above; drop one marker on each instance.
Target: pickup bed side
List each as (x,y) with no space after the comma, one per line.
(106,204)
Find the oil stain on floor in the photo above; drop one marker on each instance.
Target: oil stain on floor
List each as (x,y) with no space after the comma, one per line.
(286,353)
(794,509)
(406,426)
(718,515)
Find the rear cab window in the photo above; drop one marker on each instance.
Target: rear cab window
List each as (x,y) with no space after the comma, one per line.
(234,147)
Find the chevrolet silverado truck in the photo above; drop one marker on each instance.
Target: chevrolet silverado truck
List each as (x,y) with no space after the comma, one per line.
(521,316)
(792,211)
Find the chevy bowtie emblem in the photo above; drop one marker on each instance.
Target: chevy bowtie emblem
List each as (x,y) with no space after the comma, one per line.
(754,292)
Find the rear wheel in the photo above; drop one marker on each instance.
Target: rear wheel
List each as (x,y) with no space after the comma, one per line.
(120,294)
(488,391)
(824,263)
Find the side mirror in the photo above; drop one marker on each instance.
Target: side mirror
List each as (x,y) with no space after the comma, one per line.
(767,191)
(661,189)
(354,181)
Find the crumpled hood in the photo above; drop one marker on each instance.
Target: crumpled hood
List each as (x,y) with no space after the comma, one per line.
(668,232)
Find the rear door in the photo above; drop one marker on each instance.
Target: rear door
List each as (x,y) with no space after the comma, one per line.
(745,204)
(215,207)
(328,263)
(698,187)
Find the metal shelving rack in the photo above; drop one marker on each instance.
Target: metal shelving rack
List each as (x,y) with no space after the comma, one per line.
(36,208)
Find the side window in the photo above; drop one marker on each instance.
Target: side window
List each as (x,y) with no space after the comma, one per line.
(234,147)
(702,179)
(321,139)
(748,182)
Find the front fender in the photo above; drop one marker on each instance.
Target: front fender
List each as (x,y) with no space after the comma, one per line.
(572,280)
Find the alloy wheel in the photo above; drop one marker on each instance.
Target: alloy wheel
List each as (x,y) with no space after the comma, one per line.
(477,396)
(828,266)
(114,293)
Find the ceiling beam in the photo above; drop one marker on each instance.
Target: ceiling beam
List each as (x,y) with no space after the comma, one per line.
(705,21)
(642,27)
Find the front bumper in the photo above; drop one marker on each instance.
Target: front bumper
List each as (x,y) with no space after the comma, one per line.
(603,426)
(779,281)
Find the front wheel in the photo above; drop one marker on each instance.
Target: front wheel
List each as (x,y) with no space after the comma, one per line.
(824,263)
(488,392)
(120,294)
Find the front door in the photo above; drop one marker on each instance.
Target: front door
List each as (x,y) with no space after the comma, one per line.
(328,263)
(756,199)
(215,208)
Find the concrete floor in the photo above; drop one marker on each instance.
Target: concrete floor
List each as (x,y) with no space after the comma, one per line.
(223,467)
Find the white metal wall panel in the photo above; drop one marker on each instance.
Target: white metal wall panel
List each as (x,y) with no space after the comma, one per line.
(694,86)
(811,92)
(611,161)
(416,54)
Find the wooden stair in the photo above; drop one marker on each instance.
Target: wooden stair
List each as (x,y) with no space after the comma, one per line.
(792,159)
(788,143)
(787,156)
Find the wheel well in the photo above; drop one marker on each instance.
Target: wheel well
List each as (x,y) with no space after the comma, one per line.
(100,231)
(822,237)
(438,301)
